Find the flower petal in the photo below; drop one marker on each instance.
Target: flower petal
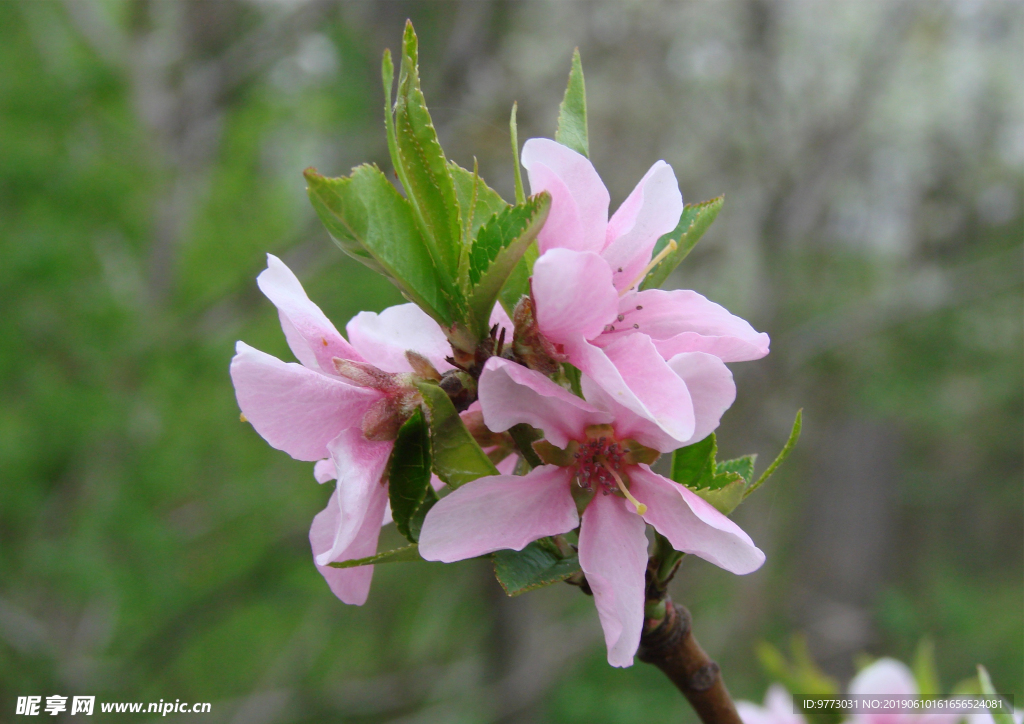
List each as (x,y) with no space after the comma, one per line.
(652,209)
(613,555)
(500,511)
(579,199)
(711,388)
(574,295)
(685,321)
(312,338)
(634,374)
(501,318)
(351,585)
(324,470)
(360,464)
(383,338)
(627,423)
(510,394)
(885,677)
(693,525)
(292,407)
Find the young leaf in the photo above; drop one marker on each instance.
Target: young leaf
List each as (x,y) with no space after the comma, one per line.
(498,247)
(572,113)
(518,282)
(398,555)
(1000,715)
(721,484)
(409,481)
(456,456)
(535,566)
(422,167)
(371,221)
(727,495)
(694,221)
(794,435)
(478,202)
(513,130)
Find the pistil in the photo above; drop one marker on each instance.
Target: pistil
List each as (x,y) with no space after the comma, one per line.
(640,507)
(669,248)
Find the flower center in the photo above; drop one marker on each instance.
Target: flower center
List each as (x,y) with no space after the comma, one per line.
(598,465)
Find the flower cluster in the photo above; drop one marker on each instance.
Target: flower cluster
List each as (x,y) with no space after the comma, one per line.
(572,387)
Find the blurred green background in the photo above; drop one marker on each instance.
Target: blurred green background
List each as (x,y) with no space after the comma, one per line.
(151,546)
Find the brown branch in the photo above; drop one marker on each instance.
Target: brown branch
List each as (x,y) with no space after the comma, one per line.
(671,647)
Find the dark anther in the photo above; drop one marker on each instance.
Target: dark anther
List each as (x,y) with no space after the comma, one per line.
(639,307)
(636,326)
(621,317)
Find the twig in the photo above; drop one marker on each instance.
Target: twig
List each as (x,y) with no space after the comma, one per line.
(670,645)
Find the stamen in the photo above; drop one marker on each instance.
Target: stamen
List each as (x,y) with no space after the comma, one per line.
(669,248)
(640,507)
(243,418)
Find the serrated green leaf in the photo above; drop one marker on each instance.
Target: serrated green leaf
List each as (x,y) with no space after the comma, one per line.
(405,554)
(369,219)
(1000,715)
(694,221)
(694,465)
(794,435)
(572,113)
(726,494)
(478,202)
(423,169)
(535,566)
(497,249)
(409,487)
(743,466)
(518,282)
(457,458)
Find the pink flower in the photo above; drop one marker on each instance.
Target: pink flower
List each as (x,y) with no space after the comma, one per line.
(890,679)
(324,409)
(584,283)
(603,452)
(778,709)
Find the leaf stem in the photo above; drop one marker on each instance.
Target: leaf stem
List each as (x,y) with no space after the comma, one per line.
(523,436)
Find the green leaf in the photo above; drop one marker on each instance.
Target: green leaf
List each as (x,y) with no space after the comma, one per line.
(572,113)
(727,495)
(694,465)
(744,467)
(422,167)
(404,554)
(369,219)
(794,435)
(409,479)
(535,566)
(1000,715)
(478,202)
(456,456)
(694,221)
(518,282)
(497,249)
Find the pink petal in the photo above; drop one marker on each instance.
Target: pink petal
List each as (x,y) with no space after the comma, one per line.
(885,677)
(324,471)
(613,555)
(778,709)
(684,321)
(579,199)
(651,210)
(574,295)
(360,464)
(510,394)
(627,423)
(351,585)
(383,338)
(292,407)
(501,511)
(711,388)
(312,338)
(693,525)
(634,374)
